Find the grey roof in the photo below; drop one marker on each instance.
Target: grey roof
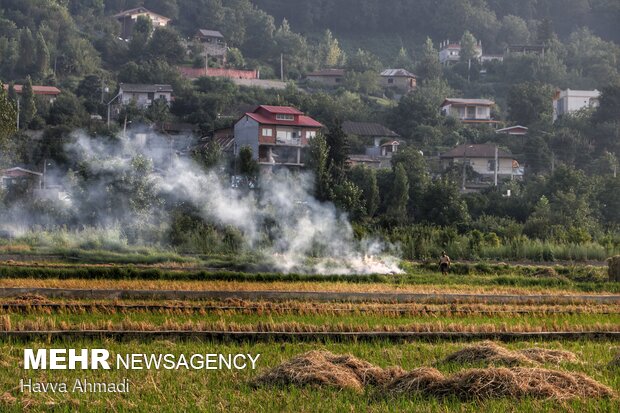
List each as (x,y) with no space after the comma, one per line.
(397,73)
(482,102)
(210,33)
(144,88)
(367,129)
(476,151)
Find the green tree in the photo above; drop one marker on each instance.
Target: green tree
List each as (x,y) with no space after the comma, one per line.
(27,51)
(338,151)
(140,35)
(248,166)
(43,56)
(399,199)
(319,164)
(8,117)
(28,108)
(513,30)
(417,175)
(429,67)
(210,156)
(363,61)
(403,60)
(366,179)
(330,51)
(545,34)
(468,47)
(443,204)
(530,103)
(165,44)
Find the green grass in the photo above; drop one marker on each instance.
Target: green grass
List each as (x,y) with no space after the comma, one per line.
(549,322)
(230,391)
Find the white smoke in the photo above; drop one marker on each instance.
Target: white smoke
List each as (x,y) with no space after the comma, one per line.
(281,221)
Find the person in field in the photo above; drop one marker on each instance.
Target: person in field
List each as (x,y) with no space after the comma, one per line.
(444,263)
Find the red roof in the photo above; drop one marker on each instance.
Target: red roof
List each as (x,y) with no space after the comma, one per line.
(302,121)
(38,90)
(281,110)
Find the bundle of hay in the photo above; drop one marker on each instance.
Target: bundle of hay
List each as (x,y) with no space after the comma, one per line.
(501,382)
(487,352)
(322,368)
(614,268)
(543,355)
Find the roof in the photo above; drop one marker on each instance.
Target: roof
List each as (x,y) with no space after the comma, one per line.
(513,130)
(397,73)
(458,101)
(38,90)
(281,110)
(138,10)
(391,143)
(144,88)
(18,172)
(476,151)
(210,33)
(302,121)
(327,72)
(367,129)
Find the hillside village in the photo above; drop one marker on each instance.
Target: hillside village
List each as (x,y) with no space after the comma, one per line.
(518,136)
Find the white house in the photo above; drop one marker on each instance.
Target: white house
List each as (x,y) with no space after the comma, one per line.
(128,19)
(567,101)
(468,110)
(451,52)
(482,160)
(143,95)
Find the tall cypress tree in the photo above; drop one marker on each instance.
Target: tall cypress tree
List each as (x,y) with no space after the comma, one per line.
(27,51)
(28,108)
(7,116)
(397,210)
(43,56)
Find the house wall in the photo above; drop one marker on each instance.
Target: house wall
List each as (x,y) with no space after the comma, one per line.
(246,134)
(399,82)
(460,112)
(572,101)
(142,99)
(326,80)
(481,165)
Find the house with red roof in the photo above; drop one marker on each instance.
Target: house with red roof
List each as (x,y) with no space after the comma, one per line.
(277,135)
(49,91)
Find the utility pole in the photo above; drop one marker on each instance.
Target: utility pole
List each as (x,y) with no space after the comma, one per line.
(464,168)
(496,168)
(206,61)
(17,112)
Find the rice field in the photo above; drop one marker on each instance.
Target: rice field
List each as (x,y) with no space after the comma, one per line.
(318,314)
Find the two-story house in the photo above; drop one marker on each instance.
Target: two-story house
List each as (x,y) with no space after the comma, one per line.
(128,19)
(399,79)
(212,43)
(277,135)
(567,101)
(469,110)
(143,95)
(481,158)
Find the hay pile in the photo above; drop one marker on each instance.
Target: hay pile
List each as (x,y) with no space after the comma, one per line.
(322,368)
(499,382)
(543,355)
(491,353)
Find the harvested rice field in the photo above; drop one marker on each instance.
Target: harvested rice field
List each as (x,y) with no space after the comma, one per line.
(399,343)
(249,390)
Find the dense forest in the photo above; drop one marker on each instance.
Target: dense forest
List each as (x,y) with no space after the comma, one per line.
(570,192)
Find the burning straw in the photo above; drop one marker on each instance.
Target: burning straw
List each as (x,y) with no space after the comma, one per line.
(322,368)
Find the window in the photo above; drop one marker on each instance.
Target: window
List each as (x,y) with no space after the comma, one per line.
(491,164)
(481,112)
(286,136)
(311,134)
(151,95)
(281,116)
(267,132)
(163,97)
(338,80)
(471,112)
(390,80)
